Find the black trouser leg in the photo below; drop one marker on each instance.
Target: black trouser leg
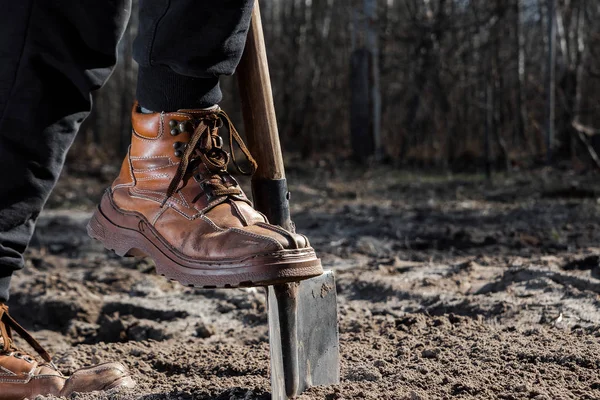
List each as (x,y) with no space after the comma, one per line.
(184,46)
(53,53)
(56,53)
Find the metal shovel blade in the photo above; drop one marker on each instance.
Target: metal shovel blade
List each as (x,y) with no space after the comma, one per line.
(303,335)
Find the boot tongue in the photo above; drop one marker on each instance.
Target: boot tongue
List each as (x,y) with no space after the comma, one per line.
(205,146)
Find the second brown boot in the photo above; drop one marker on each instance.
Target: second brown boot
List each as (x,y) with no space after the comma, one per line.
(23,377)
(175,202)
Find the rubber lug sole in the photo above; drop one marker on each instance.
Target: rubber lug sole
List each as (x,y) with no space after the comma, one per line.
(261,270)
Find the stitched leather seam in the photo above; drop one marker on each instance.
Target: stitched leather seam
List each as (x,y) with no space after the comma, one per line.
(245,200)
(182,213)
(211,223)
(147,157)
(212,205)
(142,137)
(256,236)
(186,116)
(150,178)
(183,200)
(14,381)
(275,228)
(191,110)
(153,169)
(239,212)
(141,196)
(160,213)
(161,128)
(122,185)
(47,376)
(160,194)
(9,372)
(132,183)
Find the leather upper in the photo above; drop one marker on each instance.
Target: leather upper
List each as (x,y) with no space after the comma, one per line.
(23,377)
(99,377)
(194,220)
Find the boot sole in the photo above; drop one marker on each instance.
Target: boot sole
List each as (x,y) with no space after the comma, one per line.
(129,234)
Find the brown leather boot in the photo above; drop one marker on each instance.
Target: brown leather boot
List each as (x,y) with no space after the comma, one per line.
(21,376)
(175,202)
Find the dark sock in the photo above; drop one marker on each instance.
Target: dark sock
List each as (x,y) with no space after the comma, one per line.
(161,89)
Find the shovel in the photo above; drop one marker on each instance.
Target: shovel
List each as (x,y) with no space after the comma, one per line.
(303,327)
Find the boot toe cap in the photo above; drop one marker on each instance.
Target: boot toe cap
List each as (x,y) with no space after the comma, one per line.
(287,240)
(98,378)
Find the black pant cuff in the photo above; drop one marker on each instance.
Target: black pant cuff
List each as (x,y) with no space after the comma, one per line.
(161,89)
(4,288)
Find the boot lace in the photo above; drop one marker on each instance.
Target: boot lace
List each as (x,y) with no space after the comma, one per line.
(205,146)
(7,325)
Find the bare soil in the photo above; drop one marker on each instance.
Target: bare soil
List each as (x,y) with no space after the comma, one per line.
(449,287)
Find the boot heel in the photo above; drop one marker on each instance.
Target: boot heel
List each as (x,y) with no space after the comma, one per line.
(103,230)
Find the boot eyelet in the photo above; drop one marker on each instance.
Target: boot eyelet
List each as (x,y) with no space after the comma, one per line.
(178,153)
(218,142)
(175,132)
(179,146)
(173,123)
(185,126)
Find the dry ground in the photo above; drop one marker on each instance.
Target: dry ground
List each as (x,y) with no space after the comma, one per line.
(448,288)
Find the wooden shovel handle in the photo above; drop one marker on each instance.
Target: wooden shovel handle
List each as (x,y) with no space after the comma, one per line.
(269,188)
(257,103)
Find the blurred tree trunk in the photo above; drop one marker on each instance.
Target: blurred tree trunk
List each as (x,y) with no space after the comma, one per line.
(364,80)
(498,83)
(521,136)
(489,127)
(550,78)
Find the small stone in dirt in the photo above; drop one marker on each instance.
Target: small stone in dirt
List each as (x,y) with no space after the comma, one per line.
(363,373)
(225,307)
(413,396)
(81,329)
(430,353)
(135,352)
(145,329)
(417,321)
(462,388)
(455,319)
(145,288)
(204,330)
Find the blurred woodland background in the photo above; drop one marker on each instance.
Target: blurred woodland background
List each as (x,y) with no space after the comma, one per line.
(457,85)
